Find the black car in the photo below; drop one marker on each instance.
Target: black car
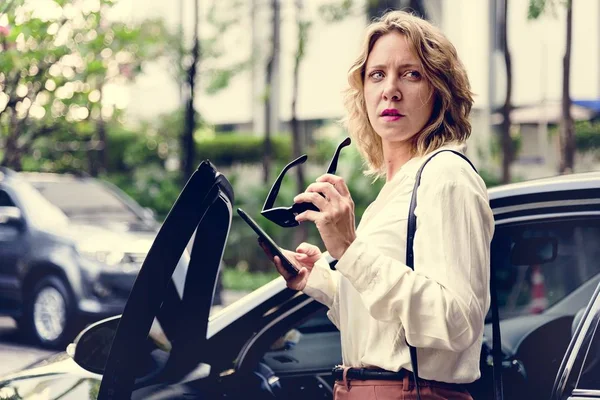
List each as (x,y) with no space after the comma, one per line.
(70,249)
(278,343)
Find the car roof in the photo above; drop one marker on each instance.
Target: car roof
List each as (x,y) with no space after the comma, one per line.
(579,181)
(50,177)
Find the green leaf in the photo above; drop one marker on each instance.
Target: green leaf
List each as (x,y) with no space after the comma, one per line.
(336,12)
(536,8)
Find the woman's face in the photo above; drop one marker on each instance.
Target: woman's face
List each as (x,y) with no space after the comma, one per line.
(399,99)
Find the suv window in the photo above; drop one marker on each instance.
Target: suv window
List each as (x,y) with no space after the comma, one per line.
(530,289)
(5,200)
(85,199)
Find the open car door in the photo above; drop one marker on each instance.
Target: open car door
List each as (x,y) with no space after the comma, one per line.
(205,207)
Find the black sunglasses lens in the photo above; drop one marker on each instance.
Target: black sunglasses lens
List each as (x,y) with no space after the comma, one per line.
(281,216)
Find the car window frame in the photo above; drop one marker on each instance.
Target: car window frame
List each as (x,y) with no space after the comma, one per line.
(571,366)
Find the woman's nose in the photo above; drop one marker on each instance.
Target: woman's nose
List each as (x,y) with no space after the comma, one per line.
(391,91)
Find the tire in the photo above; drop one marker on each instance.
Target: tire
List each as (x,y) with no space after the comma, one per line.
(49,319)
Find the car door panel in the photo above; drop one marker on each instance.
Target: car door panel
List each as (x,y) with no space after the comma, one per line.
(314,353)
(205,202)
(538,302)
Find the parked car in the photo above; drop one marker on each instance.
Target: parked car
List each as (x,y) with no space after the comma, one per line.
(70,250)
(278,343)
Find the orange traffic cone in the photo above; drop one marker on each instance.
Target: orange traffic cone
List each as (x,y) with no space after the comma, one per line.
(539,302)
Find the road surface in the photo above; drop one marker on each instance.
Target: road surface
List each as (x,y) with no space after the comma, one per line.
(16,353)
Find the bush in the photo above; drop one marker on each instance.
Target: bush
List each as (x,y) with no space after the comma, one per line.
(151,186)
(491,179)
(237,279)
(226,149)
(587,136)
(129,149)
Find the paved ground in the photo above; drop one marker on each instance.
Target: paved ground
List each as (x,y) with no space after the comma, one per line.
(15,353)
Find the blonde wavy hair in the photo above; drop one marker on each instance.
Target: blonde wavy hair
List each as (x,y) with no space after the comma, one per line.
(449,122)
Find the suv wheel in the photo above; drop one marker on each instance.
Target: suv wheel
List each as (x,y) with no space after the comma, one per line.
(49,314)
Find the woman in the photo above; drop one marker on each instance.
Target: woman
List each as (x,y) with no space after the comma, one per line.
(409,98)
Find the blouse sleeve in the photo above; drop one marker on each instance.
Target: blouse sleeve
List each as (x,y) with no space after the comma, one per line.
(322,285)
(443,302)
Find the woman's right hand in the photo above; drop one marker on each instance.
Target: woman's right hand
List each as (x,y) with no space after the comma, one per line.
(304,259)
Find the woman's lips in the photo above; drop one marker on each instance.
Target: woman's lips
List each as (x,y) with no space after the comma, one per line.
(391,118)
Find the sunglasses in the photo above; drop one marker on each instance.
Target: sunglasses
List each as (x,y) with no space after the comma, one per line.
(285,216)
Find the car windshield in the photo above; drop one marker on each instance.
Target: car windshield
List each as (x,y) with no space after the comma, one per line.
(86,200)
(43,212)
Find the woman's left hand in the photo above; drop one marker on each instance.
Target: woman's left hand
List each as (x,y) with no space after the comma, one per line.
(335,220)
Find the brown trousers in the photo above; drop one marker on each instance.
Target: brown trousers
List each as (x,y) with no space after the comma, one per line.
(395,390)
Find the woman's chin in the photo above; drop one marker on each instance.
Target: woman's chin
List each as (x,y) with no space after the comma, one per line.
(394,134)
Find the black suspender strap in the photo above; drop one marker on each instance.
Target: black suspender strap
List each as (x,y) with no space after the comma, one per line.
(410,257)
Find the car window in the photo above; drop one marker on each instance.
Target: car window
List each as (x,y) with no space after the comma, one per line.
(86,199)
(41,212)
(532,287)
(5,200)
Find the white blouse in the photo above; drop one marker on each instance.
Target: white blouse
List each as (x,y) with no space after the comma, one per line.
(377,302)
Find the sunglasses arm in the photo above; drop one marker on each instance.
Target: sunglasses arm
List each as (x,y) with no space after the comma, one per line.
(334,161)
(275,188)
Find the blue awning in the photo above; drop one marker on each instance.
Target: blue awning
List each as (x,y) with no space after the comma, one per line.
(591,104)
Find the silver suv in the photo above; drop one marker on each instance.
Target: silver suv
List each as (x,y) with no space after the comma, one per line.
(70,250)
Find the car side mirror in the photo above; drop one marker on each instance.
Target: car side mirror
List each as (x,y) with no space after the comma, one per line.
(149,213)
(91,347)
(11,216)
(534,251)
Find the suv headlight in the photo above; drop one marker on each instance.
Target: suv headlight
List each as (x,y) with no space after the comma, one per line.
(110,258)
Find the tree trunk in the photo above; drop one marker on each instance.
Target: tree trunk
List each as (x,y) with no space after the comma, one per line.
(376,8)
(567,128)
(188,148)
(506,140)
(12,153)
(418,8)
(302,231)
(268,146)
(102,137)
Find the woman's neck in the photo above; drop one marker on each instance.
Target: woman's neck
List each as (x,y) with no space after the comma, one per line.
(395,155)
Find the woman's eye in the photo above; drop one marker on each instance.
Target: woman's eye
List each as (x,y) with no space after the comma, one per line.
(414,75)
(376,75)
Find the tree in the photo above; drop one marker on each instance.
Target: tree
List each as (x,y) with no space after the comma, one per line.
(188,148)
(505,137)
(567,126)
(337,11)
(272,68)
(55,64)
(376,8)
(200,59)
(303,28)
